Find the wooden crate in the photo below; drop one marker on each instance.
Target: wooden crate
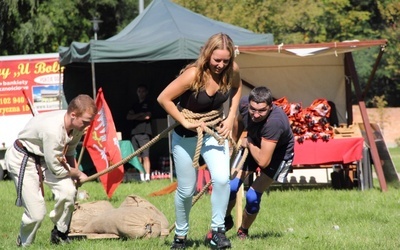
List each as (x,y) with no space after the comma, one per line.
(347,131)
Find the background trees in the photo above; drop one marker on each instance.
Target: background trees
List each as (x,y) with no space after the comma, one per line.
(313,21)
(39,26)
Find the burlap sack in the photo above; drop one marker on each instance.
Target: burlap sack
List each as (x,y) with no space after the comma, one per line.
(134,201)
(83,213)
(135,218)
(127,222)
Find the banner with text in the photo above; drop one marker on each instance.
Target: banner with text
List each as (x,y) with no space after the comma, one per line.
(39,76)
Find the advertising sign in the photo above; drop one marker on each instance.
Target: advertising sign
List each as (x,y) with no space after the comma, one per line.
(40,78)
(28,84)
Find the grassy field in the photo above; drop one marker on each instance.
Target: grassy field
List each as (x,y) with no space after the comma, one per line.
(395,155)
(296,218)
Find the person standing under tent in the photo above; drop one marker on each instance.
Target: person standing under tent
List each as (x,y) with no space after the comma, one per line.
(141,133)
(270,142)
(203,86)
(45,153)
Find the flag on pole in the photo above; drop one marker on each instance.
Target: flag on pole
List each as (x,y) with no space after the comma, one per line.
(101,142)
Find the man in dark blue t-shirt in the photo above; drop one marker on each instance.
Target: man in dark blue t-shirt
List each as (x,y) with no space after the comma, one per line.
(270,143)
(141,133)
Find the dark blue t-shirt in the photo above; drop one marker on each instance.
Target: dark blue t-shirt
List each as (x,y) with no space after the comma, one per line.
(142,127)
(275,127)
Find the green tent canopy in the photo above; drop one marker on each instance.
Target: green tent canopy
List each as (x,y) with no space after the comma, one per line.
(163,31)
(151,50)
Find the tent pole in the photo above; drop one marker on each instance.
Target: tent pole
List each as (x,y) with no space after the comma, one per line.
(95,21)
(351,73)
(377,61)
(93,80)
(349,106)
(141,6)
(60,88)
(247,84)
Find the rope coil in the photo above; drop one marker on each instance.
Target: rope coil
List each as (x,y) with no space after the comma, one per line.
(211,119)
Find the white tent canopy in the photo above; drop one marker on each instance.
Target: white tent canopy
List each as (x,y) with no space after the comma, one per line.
(302,73)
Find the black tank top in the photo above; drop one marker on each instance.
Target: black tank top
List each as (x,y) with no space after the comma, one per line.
(201,103)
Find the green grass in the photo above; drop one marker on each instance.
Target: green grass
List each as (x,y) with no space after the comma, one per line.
(395,155)
(293,218)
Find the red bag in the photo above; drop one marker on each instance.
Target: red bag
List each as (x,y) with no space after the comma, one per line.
(284,104)
(320,107)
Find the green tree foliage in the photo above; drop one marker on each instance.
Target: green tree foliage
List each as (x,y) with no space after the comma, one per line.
(314,21)
(386,22)
(41,26)
(389,76)
(290,21)
(35,26)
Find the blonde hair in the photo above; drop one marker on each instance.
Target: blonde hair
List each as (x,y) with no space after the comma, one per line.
(217,41)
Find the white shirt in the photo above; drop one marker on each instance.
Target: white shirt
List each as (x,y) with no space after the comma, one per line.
(45,135)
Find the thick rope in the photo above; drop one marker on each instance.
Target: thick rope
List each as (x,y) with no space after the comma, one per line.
(211,119)
(164,133)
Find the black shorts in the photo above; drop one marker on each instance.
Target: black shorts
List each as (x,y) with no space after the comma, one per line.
(277,169)
(138,141)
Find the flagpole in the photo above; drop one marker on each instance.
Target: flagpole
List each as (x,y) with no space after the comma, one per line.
(84,139)
(81,155)
(95,22)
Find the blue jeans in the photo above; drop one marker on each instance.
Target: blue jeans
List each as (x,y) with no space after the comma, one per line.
(217,159)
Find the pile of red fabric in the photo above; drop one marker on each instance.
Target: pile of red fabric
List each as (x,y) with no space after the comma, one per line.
(309,123)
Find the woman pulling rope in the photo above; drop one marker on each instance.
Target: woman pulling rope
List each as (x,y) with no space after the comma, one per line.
(202,88)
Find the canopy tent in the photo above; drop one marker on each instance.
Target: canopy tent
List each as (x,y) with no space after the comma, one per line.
(303,72)
(160,41)
(163,31)
(151,50)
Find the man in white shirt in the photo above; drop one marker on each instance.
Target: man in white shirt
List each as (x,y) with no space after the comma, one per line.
(45,153)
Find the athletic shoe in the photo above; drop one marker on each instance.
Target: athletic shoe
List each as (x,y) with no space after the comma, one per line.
(242,233)
(18,242)
(178,243)
(228,222)
(217,239)
(57,237)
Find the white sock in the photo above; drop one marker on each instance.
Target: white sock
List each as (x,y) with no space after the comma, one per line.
(142,176)
(147,177)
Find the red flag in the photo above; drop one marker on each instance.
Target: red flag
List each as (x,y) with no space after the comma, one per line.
(102,144)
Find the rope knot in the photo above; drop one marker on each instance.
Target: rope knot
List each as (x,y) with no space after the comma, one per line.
(211,119)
